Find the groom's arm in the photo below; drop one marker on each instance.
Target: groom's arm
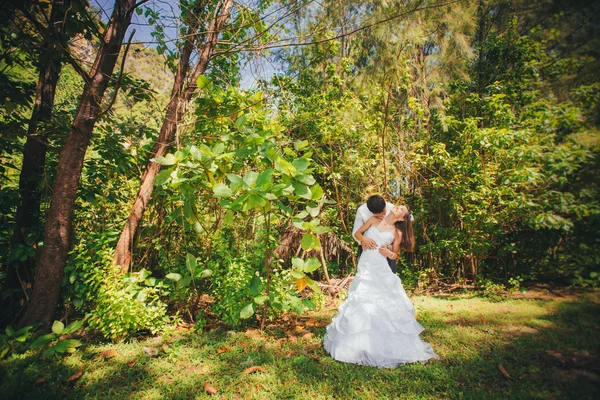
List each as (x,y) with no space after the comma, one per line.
(359,221)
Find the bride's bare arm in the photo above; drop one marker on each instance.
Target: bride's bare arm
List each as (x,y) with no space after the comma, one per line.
(366,242)
(395,252)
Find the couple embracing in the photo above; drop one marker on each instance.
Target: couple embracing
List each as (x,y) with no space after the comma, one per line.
(375,325)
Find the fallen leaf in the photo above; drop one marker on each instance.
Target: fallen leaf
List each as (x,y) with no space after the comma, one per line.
(308,335)
(196,369)
(164,348)
(41,380)
(184,327)
(293,339)
(501,368)
(208,388)
(150,351)
(288,355)
(253,369)
(168,379)
(132,364)
(106,354)
(223,350)
(75,376)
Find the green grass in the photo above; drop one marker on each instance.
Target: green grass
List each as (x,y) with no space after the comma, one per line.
(548,347)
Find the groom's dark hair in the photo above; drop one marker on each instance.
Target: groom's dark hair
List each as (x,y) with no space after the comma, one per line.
(376,204)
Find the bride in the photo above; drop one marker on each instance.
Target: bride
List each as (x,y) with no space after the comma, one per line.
(376,325)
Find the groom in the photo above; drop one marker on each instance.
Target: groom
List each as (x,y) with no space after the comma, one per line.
(378,207)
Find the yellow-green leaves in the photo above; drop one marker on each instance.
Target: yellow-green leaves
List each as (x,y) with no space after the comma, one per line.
(203,82)
(222,191)
(284,166)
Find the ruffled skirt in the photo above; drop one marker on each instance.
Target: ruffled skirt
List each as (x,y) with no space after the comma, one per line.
(376,326)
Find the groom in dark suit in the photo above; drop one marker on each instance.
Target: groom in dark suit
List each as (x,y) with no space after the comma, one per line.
(378,207)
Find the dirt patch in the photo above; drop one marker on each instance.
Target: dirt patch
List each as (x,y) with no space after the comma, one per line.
(549,292)
(521,329)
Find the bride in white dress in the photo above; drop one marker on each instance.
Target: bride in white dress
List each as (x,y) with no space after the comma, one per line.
(376,325)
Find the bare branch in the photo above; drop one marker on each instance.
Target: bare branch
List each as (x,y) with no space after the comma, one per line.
(417,8)
(112,101)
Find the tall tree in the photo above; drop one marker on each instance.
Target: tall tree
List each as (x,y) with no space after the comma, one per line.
(184,87)
(52,46)
(47,285)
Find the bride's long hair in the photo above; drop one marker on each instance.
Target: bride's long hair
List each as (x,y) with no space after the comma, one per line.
(406,228)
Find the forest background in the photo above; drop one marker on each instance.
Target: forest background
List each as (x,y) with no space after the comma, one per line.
(137,178)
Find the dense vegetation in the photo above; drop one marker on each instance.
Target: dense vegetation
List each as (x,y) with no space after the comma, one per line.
(131,187)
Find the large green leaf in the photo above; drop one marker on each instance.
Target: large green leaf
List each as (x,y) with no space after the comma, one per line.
(298,263)
(300,164)
(58,327)
(297,274)
(162,177)
(196,153)
(191,263)
(173,276)
(264,177)
(260,299)
(321,229)
(311,265)
(61,346)
(255,285)
(73,326)
(169,159)
(255,201)
(236,181)
(285,166)
(219,148)
(317,192)
(43,340)
(310,242)
(203,82)
(302,190)
(222,190)
(306,179)
(313,210)
(250,178)
(247,311)
(313,285)
(300,144)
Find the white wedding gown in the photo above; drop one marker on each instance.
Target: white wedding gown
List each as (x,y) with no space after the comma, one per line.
(376,325)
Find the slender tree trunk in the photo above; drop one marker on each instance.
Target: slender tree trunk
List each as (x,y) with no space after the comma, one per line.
(46,289)
(481,12)
(180,97)
(34,159)
(19,276)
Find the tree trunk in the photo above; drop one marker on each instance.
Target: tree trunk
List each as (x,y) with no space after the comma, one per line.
(19,276)
(481,13)
(175,111)
(47,286)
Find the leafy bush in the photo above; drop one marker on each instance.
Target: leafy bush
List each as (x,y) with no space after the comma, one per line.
(127,304)
(117,305)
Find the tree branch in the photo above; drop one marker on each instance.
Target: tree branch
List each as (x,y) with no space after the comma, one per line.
(114,97)
(361,28)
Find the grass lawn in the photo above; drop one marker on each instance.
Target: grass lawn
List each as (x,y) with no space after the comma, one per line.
(547,345)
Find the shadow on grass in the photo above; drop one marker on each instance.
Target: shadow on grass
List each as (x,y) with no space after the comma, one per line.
(550,350)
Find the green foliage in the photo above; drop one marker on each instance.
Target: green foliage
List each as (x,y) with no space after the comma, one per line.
(53,342)
(13,339)
(125,305)
(117,306)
